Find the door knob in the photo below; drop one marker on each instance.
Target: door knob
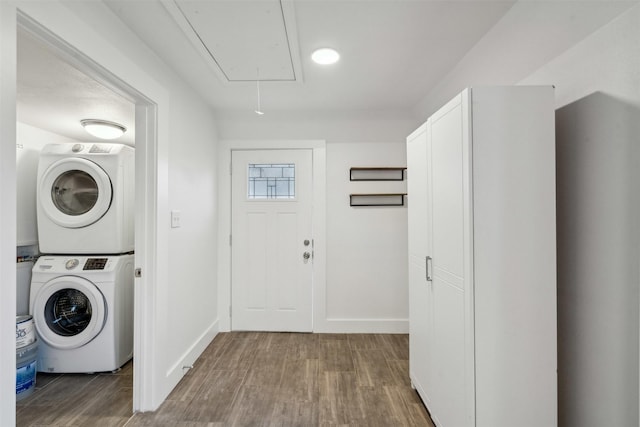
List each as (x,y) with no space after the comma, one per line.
(306,255)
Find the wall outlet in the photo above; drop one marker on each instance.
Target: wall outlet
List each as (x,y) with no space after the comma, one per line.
(175,219)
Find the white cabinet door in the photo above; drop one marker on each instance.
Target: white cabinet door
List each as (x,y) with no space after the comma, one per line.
(452,323)
(490,321)
(419,290)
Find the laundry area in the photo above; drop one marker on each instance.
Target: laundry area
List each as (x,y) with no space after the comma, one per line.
(75,222)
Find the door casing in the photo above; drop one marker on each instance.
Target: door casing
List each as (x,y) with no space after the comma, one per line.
(63,33)
(296,274)
(320,323)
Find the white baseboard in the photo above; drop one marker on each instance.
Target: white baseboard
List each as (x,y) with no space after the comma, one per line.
(178,370)
(364,326)
(360,326)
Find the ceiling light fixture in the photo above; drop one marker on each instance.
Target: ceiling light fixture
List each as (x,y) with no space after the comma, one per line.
(325,56)
(258,110)
(103,129)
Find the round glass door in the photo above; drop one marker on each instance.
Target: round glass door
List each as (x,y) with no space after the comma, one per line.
(75,192)
(69,312)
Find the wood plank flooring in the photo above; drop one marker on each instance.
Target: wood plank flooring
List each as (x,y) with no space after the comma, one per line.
(251,379)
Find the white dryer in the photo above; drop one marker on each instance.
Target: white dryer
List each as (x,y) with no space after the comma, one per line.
(82,307)
(85,199)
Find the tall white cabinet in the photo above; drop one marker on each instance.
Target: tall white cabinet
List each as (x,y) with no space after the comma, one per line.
(482,259)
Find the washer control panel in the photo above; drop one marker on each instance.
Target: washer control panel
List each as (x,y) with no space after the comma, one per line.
(95,263)
(79,264)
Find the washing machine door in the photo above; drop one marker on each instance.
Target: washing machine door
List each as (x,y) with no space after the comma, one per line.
(75,192)
(69,312)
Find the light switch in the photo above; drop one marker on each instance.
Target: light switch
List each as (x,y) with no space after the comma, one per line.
(175,219)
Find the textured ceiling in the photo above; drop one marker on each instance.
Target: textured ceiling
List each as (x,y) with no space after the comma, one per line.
(55,96)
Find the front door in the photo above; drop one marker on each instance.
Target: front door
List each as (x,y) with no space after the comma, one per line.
(271,239)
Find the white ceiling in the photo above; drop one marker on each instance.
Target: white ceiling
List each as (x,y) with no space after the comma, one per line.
(245,41)
(393,53)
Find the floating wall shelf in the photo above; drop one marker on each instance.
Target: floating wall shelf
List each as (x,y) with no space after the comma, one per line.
(377,174)
(387,199)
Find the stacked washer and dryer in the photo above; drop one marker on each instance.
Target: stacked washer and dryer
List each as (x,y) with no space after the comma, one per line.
(81,296)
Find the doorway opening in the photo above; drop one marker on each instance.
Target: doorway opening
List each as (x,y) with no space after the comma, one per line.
(285,194)
(145,123)
(272,240)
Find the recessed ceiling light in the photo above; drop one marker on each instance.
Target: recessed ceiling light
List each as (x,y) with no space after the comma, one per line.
(325,56)
(103,129)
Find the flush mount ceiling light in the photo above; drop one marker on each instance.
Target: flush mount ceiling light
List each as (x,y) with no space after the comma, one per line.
(103,129)
(325,56)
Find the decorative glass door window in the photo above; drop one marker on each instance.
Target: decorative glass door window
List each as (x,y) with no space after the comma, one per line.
(272,181)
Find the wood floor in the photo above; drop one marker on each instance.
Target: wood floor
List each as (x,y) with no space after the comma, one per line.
(251,379)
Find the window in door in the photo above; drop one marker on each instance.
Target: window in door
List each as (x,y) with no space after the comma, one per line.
(272,181)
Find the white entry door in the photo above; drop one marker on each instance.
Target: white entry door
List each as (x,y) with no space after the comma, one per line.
(272,245)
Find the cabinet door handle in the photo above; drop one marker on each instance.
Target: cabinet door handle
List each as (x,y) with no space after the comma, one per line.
(428,268)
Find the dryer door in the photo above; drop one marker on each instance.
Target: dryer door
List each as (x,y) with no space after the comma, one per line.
(69,312)
(75,192)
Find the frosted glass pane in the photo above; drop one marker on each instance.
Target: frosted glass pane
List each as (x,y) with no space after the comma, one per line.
(271,181)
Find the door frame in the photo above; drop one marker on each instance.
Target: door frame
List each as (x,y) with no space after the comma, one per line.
(72,37)
(318,147)
(272,318)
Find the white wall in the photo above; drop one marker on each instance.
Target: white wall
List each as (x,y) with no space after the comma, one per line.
(529,35)
(598,142)
(366,266)
(193,246)
(367,284)
(184,306)
(332,126)
(29,142)
(186,309)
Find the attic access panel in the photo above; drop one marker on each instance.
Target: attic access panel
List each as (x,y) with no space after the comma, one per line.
(247,40)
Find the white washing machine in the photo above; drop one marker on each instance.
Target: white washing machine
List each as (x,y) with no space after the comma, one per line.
(85,199)
(82,307)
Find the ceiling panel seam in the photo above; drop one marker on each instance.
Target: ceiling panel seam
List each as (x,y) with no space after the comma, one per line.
(219,66)
(202,41)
